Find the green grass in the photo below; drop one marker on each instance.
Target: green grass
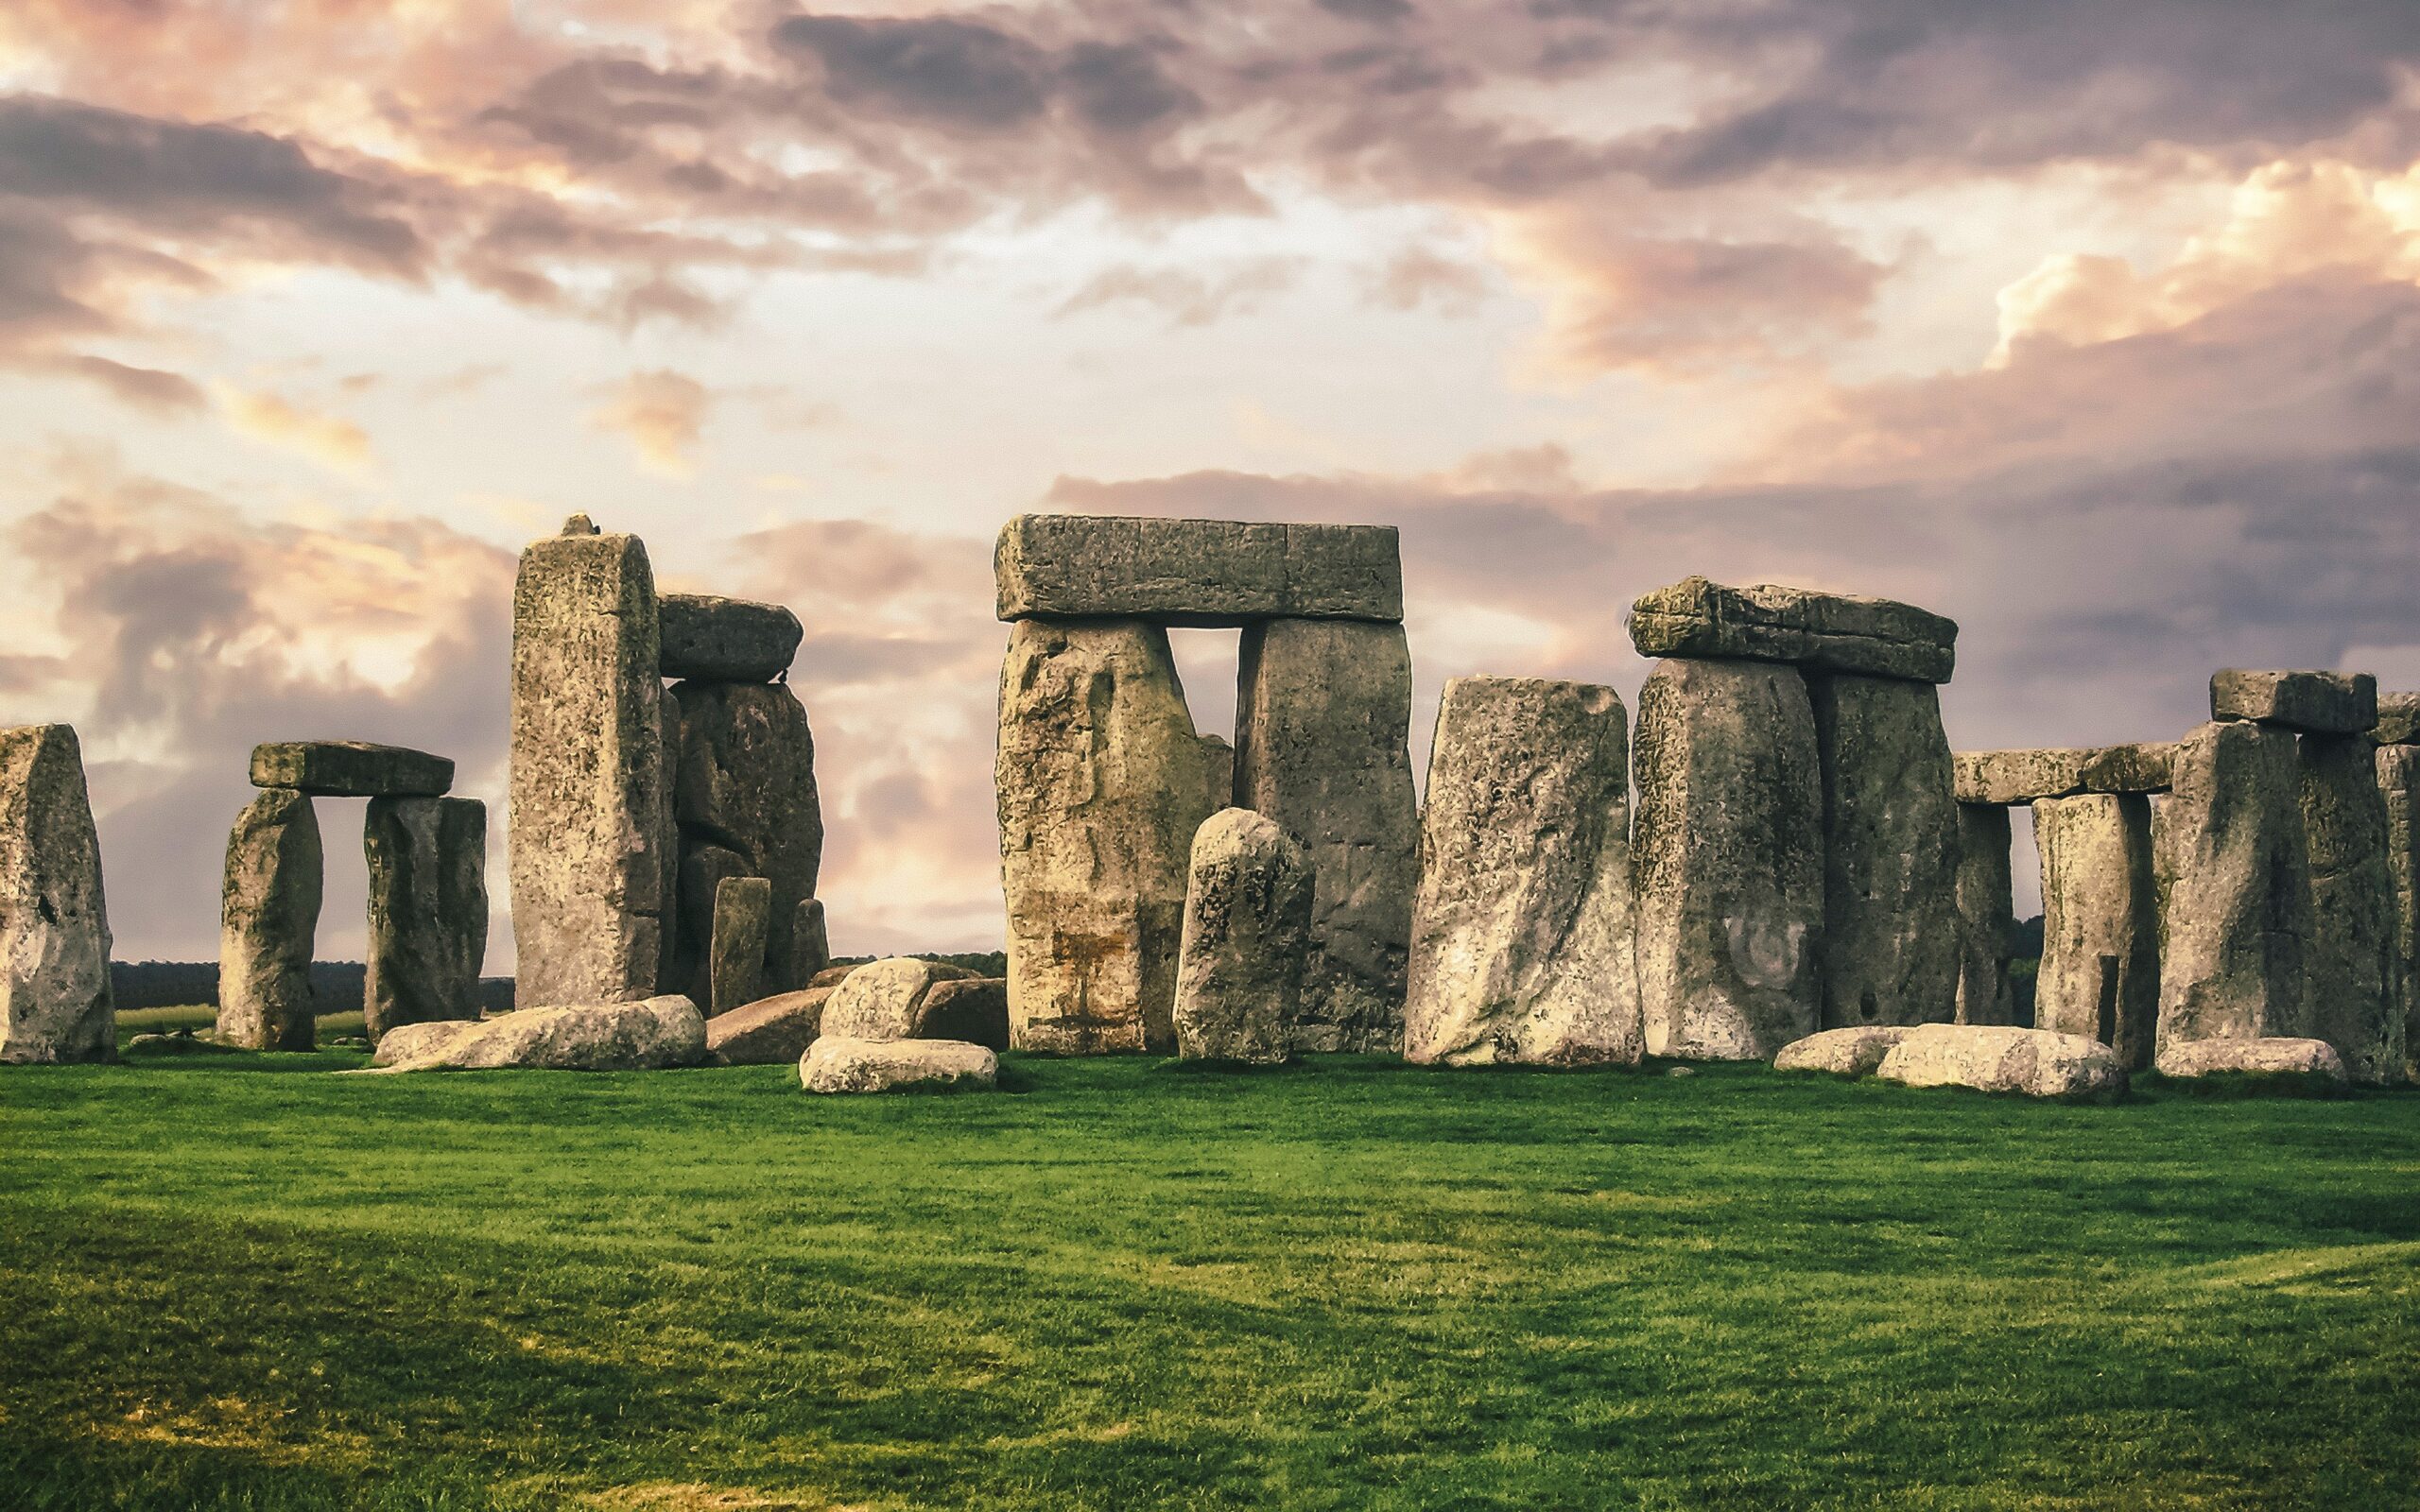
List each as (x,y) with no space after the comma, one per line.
(227,1283)
(198,1017)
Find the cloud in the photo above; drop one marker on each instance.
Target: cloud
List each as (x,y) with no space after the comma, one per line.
(1186,298)
(660,412)
(330,440)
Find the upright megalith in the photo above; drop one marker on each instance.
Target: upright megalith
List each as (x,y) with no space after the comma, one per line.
(1729,852)
(268,915)
(2100,971)
(744,802)
(1102,782)
(1891,932)
(428,910)
(735,957)
(810,947)
(55,1002)
(2234,888)
(592,824)
(1322,747)
(1986,915)
(1247,945)
(2355,959)
(2399,787)
(1521,943)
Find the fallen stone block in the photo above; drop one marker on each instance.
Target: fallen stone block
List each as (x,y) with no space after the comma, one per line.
(1214,573)
(773,1031)
(973,1008)
(1247,945)
(2270,1057)
(2014,777)
(834,1065)
(1996,1058)
(350,768)
(2318,703)
(887,1000)
(726,640)
(1836,632)
(1857,1050)
(646,1035)
(55,1002)
(833,975)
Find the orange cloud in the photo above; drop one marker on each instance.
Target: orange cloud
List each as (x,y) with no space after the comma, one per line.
(663,413)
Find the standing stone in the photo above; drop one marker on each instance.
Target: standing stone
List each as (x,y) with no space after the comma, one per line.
(2234,888)
(743,908)
(592,851)
(2355,973)
(745,799)
(1322,747)
(1729,852)
(1521,942)
(55,1002)
(810,947)
(269,913)
(1220,758)
(1246,943)
(1102,782)
(2399,784)
(428,910)
(1890,932)
(1986,915)
(2099,972)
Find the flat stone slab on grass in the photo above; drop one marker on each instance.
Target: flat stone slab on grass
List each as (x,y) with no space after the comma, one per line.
(2319,703)
(843,1065)
(1837,632)
(726,640)
(1995,1058)
(2008,778)
(648,1036)
(772,1031)
(350,768)
(1210,573)
(2278,1056)
(1857,1050)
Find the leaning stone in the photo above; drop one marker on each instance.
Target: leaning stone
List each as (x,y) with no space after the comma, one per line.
(2318,703)
(644,1036)
(1891,939)
(428,909)
(1986,915)
(2233,887)
(55,1002)
(1212,573)
(726,640)
(350,768)
(2014,777)
(743,789)
(810,947)
(836,1065)
(2355,964)
(591,822)
(2099,972)
(2399,783)
(887,1000)
(1247,941)
(1522,946)
(1853,1052)
(772,1031)
(1995,1058)
(1836,632)
(2271,1058)
(1322,748)
(2398,719)
(269,913)
(736,974)
(1729,853)
(1101,783)
(974,1008)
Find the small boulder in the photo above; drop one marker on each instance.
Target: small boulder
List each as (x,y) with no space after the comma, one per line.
(887,1000)
(842,1065)
(2278,1056)
(1857,1050)
(772,1031)
(660,1032)
(974,1008)
(726,640)
(1996,1058)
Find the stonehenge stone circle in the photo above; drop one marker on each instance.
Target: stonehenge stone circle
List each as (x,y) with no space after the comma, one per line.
(772,1031)
(1210,573)
(887,1000)
(2278,1056)
(1994,1058)
(55,1002)
(624,1035)
(2316,703)
(2234,888)
(268,919)
(1986,915)
(1729,859)
(1322,747)
(726,640)
(2014,777)
(1101,782)
(745,804)
(2100,971)
(1833,633)
(735,955)
(592,835)
(833,1064)
(1247,942)
(428,909)
(1522,942)
(1857,1051)
(1890,928)
(2355,961)
(350,768)
(2399,784)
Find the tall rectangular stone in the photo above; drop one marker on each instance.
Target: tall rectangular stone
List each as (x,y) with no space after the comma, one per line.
(2100,971)
(428,909)
(746,804)
(268,916)
(55,1002)
(1322,747)
(1986,915)
(2399,786)
(2234,895)
(592,833)
(2355,968)
(736,969)
(1890,932)
(1214,573)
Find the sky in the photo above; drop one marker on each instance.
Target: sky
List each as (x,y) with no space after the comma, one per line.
(2094,327)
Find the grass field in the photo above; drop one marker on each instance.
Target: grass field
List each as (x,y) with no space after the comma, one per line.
(226,1281)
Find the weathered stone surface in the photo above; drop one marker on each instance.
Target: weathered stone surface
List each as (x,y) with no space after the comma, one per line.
(840,1065)
(1195,571)
(2013,777)
(2100,971)
(2399,785)
(1247,947)
(2356,971)
(1986,915)
(55,1002)
(1322,748)
(592,827)
(269,913)
(887,1000)
(428,909)
(350,768)
(810,947)
(2319,703)
(2279,1057)
(736,972)
(974,1008)
(2233,887)
(745,799)
(1101,782)
(1729,855)
(726,640)
(1219,765)
(1890,934)
(644,1036)
(1836,632)
(1996,1058)
(1857,1050)
(833,975)
(772,1031)
(1522,946)
(2398,719)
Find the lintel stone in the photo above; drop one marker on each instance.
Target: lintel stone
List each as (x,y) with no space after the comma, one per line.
(1201,573)
(2009,777)
(2317,703)
(1836,632)
(2398,719)
(350,768)
(726,640)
